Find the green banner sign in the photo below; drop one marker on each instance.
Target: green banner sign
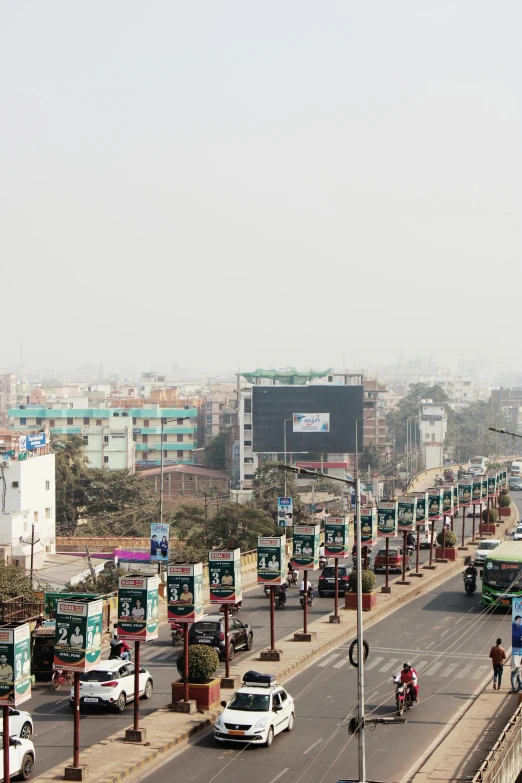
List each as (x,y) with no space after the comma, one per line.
(434,504)
(15,665)
(447,499)
(387,519)
(477,490)
(465,493)
(224,569)
(306,541)
(185,592)
(406,514)
(77,641)
(421,508)
(368,526)
(492,484)
(484,481)
(271,560)
(336,535)
(138,608)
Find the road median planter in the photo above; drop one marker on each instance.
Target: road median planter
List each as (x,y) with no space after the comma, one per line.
(207,695)
(369,601)
(450,553)
(505,512)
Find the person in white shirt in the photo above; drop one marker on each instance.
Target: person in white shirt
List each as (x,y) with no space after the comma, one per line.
(321,550)
(76,639)
(308,586)
(138,613)
(307,549)
(273,564)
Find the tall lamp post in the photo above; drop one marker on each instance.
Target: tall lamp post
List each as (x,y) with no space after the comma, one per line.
(163,422)
(284,444)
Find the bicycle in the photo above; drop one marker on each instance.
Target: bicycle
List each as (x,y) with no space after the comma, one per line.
(61,677)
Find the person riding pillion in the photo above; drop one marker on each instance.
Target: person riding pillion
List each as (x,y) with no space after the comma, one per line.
(408,676)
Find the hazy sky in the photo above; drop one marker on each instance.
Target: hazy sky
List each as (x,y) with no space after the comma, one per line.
(240,184)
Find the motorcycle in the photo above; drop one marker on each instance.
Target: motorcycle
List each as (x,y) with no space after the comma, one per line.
(470,584)
(232,608)
(354,558)
(177,633)
(117,653)
(310,598)
(292,578)
(280,599)
(402,697)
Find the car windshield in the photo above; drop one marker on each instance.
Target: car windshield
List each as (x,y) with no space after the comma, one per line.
(489,544)
(330,571)
(97,675)
(392,553)
(248,702)
(205,627)
(505,575)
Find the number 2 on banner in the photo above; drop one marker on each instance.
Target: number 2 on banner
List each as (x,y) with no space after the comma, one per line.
(63,636)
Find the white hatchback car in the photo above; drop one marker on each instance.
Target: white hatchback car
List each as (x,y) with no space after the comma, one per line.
(21,757)
(255,713)
(20,724)
(111,684)
(484,549)
(517,535)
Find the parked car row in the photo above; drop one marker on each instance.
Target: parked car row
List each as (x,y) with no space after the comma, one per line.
(21,748)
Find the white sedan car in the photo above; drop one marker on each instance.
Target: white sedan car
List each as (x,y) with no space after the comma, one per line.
(484,549)
(111,684)
(255,714)
(517,535)
(21,757)
(20,724)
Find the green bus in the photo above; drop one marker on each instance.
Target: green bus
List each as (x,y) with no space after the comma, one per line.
(502,575)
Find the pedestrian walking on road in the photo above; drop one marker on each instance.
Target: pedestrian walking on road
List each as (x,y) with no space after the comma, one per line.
(498,656)
(516,674)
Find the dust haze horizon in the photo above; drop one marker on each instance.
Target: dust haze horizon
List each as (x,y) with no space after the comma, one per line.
(228,185)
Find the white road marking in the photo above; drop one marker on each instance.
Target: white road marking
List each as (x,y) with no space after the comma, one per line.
(420,665)
(313,746)
(388,665)
(328,660)
(280,775)
(340,664)
(479,672)
(373,663)
(433,668)
(451,668)
(446,631)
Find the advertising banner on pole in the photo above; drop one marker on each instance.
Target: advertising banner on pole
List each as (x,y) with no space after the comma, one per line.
(285,512)
(159,543)
(492,484)
(455,498)
(271,560)
(484,481)
(387,518)
(77,640)
(465,493)
(15,665)
(516,626)
(224,571)
(477,491)
(406,514)
(422,507)
(434,504)
(368,526)
(504,478)
(138,608)
(185,592)
(336,534)
(305,552)
(311,422)
(447,499)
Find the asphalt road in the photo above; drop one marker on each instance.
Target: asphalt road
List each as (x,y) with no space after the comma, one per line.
(53,718)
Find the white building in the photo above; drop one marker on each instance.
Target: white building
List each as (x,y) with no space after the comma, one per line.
(29,500)
(248,461)
(7,396)
(110,445)
(433,426)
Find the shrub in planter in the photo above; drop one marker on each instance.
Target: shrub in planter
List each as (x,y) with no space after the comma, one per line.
(203,663)
(505,501)
(493,515)
(367,580)
(504,491)
(450,538)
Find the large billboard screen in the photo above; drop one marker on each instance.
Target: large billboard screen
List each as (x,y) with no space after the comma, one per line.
(334,410)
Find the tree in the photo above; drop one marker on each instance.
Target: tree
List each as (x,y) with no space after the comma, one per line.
(269,484)
(370,458)
(71,476)
(214,452)
(237,525)
(101,584)
(408,408)
(469,434)
(14,582)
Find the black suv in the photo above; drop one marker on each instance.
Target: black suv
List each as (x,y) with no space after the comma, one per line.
(326,582)
(211,630)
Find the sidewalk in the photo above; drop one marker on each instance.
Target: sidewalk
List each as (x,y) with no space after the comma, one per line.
(114,759)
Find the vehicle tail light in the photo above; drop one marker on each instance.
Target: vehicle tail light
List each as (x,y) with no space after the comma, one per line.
(221,637)
(344,578)
(111,684)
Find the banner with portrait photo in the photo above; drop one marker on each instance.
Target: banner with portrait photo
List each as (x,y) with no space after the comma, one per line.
(159,543)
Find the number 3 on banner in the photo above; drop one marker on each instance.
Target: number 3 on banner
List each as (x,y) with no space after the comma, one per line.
(215,577)
(125,608)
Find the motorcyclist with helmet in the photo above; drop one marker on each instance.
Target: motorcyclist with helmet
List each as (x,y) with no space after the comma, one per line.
(408,676)
(470,572)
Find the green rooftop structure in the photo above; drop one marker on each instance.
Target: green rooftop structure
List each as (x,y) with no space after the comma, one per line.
(288,375)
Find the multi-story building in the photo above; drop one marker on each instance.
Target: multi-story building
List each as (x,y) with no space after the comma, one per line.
(110,445)
(179,428)
(7,396)
(510,401)
(211,416)
(433,426)
(28,505)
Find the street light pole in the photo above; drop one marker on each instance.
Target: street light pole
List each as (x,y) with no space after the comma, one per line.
(360,647)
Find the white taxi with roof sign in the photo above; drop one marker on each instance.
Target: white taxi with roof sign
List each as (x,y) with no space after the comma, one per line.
(257,711)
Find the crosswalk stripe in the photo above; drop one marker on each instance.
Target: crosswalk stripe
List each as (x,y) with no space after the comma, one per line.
(420,665)
(328,660)
(341,663)
(450,669)
(373,663)
(388,665)
(433,668)
(480,672)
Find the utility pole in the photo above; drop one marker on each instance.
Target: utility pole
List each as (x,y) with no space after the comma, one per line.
(32,553)
(360,647)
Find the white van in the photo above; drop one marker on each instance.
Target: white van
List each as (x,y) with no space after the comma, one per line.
(425,534)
